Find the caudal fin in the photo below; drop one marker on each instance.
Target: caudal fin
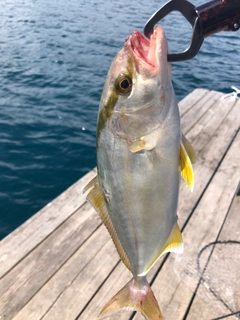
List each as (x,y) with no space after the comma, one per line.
(136,295)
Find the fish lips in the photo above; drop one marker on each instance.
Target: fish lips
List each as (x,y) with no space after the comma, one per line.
(140,48)
(149,55)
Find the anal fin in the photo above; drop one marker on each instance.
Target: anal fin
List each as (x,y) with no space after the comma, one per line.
(175,243)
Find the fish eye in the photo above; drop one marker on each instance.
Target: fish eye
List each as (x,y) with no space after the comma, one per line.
(123,84)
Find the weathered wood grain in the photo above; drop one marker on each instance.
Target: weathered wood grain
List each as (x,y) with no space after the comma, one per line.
(191,117)
(210,142)
(191,100)
(27,278)
(72,286)
(219,293)
(25,238)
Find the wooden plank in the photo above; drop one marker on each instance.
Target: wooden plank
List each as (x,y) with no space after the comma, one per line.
(194,114)
(23,281)
(81,291)
(177,280)
(205,137)
(191,100)
(221,280)
(118,278)
(209,123)
(69,290)
(231,226)
(25,238)
(115,282)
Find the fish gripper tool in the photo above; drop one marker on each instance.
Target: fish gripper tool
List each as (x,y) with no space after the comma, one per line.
(206,19)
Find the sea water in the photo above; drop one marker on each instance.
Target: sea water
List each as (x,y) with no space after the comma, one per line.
(54,57)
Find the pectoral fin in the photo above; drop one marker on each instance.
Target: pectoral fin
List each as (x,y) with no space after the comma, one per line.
(186,167)
(175,243)
(142,144)
(190,151)
(91,184)
(137,146)
(96,199)
(147,142)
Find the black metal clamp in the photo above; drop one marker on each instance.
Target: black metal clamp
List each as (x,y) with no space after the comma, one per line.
(207,19)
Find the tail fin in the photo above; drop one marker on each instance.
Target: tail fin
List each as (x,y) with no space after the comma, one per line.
(137,295)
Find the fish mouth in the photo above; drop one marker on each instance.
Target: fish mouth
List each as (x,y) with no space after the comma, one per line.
(151,52)
(140,47)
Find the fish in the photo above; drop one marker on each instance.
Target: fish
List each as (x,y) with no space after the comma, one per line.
(141,154)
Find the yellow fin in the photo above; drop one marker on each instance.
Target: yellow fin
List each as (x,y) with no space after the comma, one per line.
(175,243)
(96,199)
(190,151)
(186,167)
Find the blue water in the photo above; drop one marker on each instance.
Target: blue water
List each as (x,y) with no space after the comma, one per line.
(54,56)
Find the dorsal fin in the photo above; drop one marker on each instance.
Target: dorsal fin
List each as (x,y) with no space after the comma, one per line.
(186,167)
(96,199)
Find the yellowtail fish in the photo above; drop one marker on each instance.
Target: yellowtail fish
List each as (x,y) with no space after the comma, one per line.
(140,154)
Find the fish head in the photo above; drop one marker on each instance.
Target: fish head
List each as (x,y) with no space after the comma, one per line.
(138,86)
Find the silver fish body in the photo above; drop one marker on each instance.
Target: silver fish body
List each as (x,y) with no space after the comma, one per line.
(141,188)
(140,153)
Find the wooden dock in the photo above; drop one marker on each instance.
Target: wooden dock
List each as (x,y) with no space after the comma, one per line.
(61,263)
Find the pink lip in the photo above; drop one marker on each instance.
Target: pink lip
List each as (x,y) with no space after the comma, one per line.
(140,47)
